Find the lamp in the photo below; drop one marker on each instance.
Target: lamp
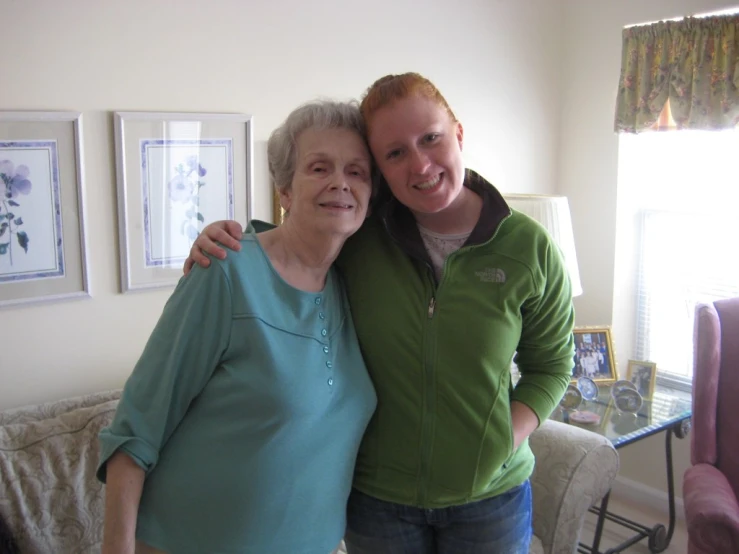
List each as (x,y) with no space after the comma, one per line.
(553,212)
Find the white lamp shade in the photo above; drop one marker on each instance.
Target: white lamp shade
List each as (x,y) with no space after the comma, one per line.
(553,212)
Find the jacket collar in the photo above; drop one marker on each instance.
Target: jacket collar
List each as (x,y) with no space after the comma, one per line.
(402,227)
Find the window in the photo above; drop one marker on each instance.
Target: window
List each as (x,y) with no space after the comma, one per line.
(682,191)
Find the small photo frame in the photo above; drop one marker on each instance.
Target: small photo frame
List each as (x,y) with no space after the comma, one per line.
(177,172)
(42,215)
(594,357)
(644,377)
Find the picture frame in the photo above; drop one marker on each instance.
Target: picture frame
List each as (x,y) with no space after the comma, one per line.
(644,376)
(594,354)
(43,243)
(176,173)
(278,214)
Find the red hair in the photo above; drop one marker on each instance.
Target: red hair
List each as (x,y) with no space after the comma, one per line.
(390,88)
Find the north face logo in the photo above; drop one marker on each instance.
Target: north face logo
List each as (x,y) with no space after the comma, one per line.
(491,275)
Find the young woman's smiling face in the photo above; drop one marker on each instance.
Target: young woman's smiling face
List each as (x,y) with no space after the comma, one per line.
(418,148)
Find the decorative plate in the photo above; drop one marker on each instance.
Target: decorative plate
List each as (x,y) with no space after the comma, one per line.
(572,398)
(628,400)
(618,386)
(588,388)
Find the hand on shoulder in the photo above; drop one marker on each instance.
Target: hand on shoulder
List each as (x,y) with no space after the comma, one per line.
(226,232)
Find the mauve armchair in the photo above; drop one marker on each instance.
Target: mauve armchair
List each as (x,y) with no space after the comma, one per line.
(711,484)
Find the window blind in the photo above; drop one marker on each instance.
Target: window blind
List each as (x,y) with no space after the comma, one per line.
(685,258)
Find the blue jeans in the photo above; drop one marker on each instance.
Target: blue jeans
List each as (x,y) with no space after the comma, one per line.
(498,525)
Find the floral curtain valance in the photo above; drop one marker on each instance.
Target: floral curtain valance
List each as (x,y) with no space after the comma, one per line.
(693,63)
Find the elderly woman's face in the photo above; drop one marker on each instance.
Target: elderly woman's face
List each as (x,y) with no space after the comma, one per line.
(332,184)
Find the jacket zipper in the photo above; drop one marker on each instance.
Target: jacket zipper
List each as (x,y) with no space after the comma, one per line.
(427,426)
(429,419)
(428,422)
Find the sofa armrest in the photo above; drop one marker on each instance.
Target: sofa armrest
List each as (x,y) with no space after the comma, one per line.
(50,410)
(574,469)
(711,509)
(49,495)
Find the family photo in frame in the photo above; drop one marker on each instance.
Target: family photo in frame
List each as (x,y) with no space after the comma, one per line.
(594,357)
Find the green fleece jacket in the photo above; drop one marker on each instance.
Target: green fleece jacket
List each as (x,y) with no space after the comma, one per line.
(440,354)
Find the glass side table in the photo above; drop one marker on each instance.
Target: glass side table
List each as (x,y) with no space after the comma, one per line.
(669,411)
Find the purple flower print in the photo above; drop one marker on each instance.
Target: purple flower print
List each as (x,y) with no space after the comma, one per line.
(20,184)
(193,165)
(14,181)
(180,189)
(186,181)
(183,188)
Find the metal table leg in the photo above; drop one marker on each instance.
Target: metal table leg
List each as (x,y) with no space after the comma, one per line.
(681,430)
(658,537)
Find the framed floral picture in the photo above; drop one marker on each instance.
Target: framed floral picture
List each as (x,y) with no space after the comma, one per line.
(177,172)
(42,215)
(594,356)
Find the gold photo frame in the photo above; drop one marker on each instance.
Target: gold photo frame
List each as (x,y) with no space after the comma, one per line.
(644,377)
(594,355)
(278,214)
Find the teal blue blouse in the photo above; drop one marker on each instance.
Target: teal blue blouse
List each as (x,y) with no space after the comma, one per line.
(246,410)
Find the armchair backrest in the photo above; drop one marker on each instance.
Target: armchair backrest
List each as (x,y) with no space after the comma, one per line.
(715,439)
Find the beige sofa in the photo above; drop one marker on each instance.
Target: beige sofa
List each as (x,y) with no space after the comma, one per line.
(54,505)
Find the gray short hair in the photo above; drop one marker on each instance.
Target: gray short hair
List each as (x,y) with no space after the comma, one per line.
(319,115)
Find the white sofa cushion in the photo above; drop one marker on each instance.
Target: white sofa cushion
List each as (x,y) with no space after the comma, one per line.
(48,492)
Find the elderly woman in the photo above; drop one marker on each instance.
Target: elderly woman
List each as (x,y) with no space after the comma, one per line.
(240,424)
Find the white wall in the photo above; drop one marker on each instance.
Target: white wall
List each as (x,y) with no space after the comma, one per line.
(588,176)
(506,67)
(495,61)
